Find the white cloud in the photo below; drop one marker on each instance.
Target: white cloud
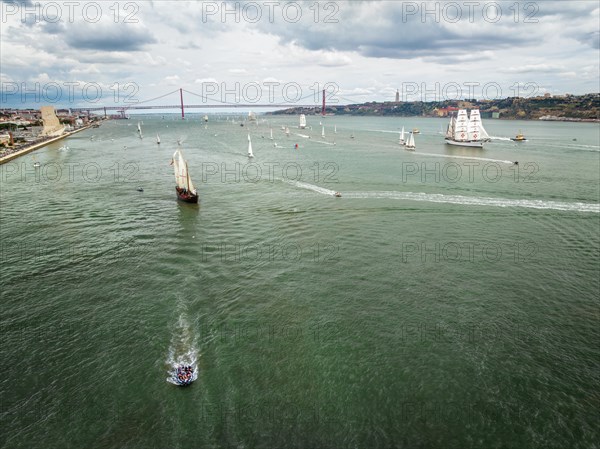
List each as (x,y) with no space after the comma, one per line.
(369,52)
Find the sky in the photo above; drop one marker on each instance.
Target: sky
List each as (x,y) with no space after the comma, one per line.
(86,54)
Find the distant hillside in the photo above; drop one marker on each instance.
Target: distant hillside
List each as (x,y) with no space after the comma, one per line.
(568,107)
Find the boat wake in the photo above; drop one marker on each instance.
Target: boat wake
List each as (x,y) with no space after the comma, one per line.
(465,157)
(314,188)
(457,199)
(478,201)
(500,138)
(383,131)
(182,351)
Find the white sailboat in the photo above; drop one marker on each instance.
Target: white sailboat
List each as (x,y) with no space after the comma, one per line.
(466,132)
(157,139)
(287,131)
(401,141)
(250,153)
(183,183)
(205,118)
(323,131)
(334,129)
(271,138)
(140,131)
(302,121)
(251,116)
(410,144)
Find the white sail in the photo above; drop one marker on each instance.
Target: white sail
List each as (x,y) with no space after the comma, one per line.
(411,142)
(474,126)
(323,131)
(302,121)
(335,129)
(182,176)
(157,138)
(205,118)
(287,131)
(402,141)
(250,153)
(271,133)
(461,126)
(483,135)
(251,116)
(450,130)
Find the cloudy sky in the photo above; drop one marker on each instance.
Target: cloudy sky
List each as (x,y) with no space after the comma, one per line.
(67,53)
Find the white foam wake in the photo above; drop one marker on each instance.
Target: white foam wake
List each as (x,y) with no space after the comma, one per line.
(456,199)
(478,201)
(464,157)
(314,188)
(383,131)
(183,349)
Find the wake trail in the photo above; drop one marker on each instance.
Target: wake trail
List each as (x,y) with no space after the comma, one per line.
(183,349)
(464,157)
(456,199)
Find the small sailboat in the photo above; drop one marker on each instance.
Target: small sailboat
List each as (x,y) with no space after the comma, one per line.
(302,121)
(410,144)
(157,139)
(271,138)
(401,141)
(139,128)
(184,187)
(205,118)
(250,153)
(323,131)
(352,136)
(287,131)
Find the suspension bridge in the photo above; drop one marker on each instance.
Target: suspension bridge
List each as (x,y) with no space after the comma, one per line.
(146,104)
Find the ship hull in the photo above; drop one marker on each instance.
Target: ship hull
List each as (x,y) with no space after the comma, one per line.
(185,196)
(465,144)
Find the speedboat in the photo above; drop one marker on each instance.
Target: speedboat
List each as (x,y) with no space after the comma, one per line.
(183,375)
(36,164)
(337,194)
(140,189)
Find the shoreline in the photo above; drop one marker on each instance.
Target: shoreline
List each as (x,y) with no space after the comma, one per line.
(39,145)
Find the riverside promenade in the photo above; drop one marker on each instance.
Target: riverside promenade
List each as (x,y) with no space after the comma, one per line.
(38,145)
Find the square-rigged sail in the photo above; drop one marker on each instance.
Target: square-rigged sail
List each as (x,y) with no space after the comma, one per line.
(461,133)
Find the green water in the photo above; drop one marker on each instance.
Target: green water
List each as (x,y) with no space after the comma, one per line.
(449,299)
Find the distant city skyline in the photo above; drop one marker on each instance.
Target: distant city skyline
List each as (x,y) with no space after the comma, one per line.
(69,54)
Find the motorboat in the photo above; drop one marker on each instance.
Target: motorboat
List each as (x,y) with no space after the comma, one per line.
(183,375)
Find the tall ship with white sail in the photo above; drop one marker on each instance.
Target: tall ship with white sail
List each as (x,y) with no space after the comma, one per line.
(185,189)
(467,131)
